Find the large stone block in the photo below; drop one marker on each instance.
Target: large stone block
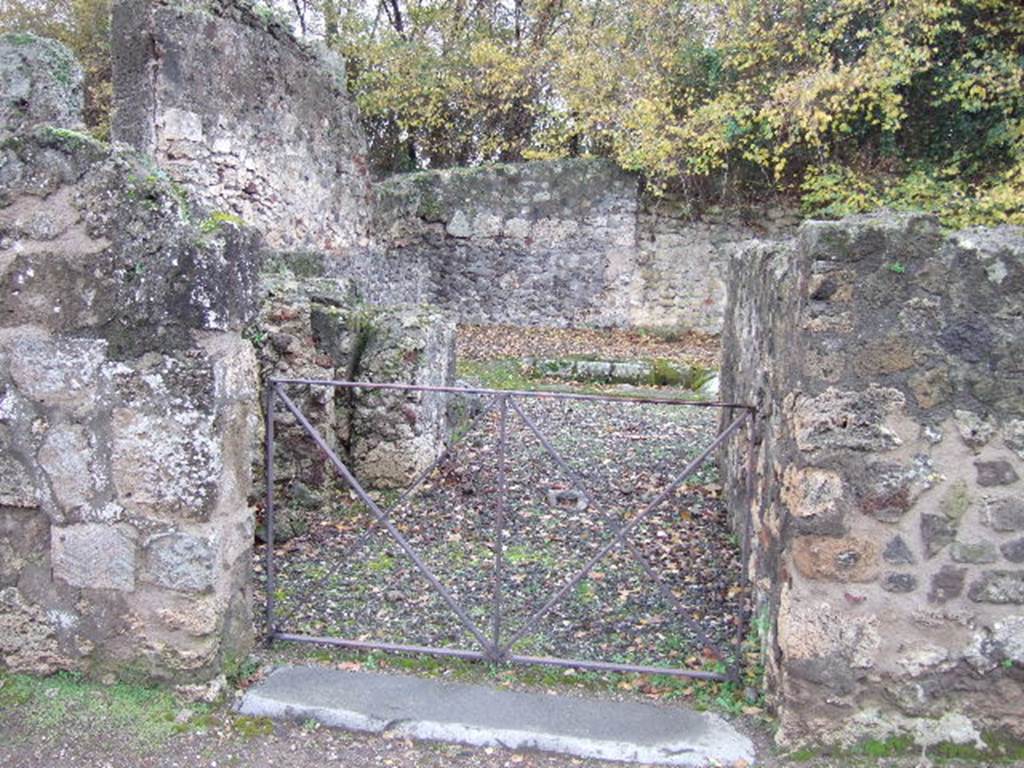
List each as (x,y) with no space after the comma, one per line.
(838,559)
(847,420)
(99,244)
(394,435)
(1006,514)
(166,466)
(42,84)
(94,555)
(181,562)
(64,457)
(1001,587)
(56,373)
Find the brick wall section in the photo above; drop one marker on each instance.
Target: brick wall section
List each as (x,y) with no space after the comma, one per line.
(247,119)
(888,524)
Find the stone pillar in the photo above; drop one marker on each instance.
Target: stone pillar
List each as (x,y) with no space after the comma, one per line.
(127,401)
(887,522)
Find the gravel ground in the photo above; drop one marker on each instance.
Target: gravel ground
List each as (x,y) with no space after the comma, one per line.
(226,740)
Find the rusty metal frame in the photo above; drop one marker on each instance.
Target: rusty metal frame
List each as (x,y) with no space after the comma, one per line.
(492,647)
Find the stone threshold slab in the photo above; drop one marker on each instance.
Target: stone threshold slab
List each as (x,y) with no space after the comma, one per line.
(481,716)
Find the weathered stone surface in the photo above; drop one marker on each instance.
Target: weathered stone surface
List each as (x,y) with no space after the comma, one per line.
(816,499)
(899,582)
(947,584)
(161,466)
(897,552)
(1006,514)
(993,473)
(1008,635)
(141,276)
(955,501)
(887,491)
(1003,587)
(813,334)
(288,156)
(931,388)
(974,430)
(94,555)
(845,420)
(1012,551)
(64,456)
(42,84)
(200,617)
(555,243)
(17,489)
(56,373)
(839,559)
(828,638)
(28,641)
(976,552)
(394,435)
(937,532)
(1013,436)
(180,561)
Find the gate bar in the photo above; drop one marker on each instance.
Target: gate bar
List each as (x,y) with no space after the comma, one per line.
(621,534)
(383,519)
(511,393)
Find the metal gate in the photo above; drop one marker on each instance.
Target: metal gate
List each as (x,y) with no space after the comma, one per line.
(494,641)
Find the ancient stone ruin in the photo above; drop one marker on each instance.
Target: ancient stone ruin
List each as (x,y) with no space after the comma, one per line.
(887,517)
(231,234)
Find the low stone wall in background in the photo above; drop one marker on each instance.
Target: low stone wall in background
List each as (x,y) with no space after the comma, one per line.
(887,532)
(569,242)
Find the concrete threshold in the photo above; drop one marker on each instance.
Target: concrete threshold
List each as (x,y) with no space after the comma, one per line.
(487,717)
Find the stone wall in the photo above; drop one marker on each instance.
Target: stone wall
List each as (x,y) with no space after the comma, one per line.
(313,324)
(569,242)
(127,397)
(252,122)
(888,520)
(29,99)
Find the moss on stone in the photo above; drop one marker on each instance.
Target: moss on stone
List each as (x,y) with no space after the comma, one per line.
(69,140)
(218,219)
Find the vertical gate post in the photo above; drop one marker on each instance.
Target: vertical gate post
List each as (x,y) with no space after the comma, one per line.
(499,530)
(268,511)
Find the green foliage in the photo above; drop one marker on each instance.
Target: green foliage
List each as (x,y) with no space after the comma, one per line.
(218,219)
(835,191)
(851,104)
(894,746)
(854,104)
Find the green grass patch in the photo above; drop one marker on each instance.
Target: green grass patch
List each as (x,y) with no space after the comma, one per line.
(147,716)
(510,374)
(495,374)
(894,746)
